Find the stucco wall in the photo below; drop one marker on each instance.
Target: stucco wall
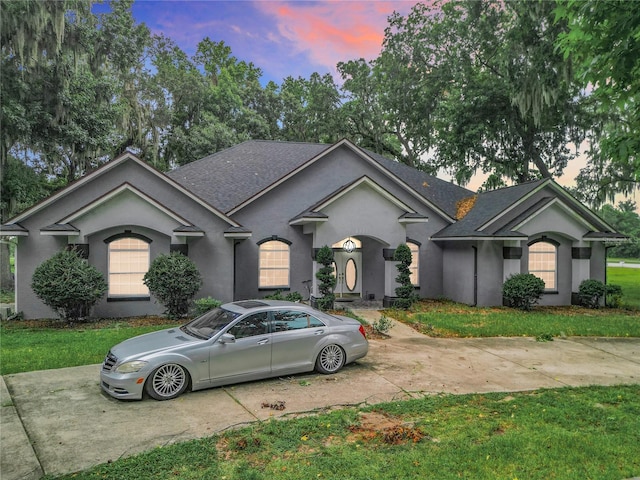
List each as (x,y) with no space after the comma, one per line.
(212,253)
(362,213)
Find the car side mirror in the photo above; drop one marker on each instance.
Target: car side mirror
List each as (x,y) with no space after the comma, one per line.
(227,338)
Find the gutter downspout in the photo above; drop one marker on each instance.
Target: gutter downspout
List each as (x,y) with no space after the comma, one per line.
(475,276)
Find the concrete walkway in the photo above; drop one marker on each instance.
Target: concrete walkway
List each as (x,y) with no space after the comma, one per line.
(58,421)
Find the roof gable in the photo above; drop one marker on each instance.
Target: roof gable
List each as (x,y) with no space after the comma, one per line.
(104,169)
(253,168)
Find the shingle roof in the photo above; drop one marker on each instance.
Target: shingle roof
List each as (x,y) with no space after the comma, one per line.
(232,176)
(229,177)
(487,206)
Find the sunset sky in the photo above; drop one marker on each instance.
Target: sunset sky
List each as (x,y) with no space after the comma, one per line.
(283,38)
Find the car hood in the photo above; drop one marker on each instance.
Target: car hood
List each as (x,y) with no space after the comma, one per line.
(154,342)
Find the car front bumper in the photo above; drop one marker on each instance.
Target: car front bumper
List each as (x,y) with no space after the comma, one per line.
(122,386)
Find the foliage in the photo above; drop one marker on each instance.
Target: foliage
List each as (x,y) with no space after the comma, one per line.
(382,325)
(494,95)
(327,279)
(623,219)
(68,284)
(613,295)
(591,292)
(629,281)
(603,43)
(289,297)
(522,290)
(203,305)
(405,292)
(174,280)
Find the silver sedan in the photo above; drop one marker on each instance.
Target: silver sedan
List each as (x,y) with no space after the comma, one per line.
(238,342)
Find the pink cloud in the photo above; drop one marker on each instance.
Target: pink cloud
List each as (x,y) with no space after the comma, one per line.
(332,31)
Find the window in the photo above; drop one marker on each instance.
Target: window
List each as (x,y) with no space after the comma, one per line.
(257,324)
(273,264)
(285,320)
(128,262)
(542,262)
(415,261)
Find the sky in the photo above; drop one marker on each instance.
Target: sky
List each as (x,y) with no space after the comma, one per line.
(287,38)
(283,38)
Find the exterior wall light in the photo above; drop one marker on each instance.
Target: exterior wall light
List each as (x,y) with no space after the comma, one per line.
(349,246)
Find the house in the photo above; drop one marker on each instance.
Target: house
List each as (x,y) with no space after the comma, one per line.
(252,217)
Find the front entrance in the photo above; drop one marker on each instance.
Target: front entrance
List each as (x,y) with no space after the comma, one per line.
(347,269)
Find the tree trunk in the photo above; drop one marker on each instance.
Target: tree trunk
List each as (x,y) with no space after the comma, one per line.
(6,277)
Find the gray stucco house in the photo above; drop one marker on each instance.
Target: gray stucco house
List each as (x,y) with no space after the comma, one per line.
(252,216)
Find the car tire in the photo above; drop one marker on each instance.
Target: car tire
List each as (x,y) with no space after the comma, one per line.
(330,359)
(167,382)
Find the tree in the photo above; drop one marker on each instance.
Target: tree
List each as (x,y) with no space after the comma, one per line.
(327,279)
(68,284)
(496,94)
(310,109)
(623,219)
(174,280)
(602,41)
(405,292)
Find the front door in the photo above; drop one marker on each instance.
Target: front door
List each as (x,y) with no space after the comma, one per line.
(347,269)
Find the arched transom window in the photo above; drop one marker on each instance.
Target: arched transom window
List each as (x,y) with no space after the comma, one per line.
(273,264)
(128,262)
(543,262)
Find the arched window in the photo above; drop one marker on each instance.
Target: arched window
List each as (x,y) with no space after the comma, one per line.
(128,262)
(543,262)
(415,262)
(273,264)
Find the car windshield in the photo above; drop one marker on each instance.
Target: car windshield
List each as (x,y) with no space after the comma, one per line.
(207,325)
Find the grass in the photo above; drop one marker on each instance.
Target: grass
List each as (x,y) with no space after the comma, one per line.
(26,349)
(571,433)
(629,280)
(448,319)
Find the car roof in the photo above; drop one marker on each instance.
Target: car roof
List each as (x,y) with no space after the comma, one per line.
(246,306)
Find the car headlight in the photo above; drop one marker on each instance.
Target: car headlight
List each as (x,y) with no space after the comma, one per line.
(130,367)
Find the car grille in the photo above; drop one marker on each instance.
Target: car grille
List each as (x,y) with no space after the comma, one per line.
(109,361)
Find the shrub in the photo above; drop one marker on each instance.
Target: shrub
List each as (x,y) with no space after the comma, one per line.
(613,295)
(174,280)
(522,290)
(590,293)
(68,284)
(382,325)
(289,297)
(203,305)
(405,292)
(326,278)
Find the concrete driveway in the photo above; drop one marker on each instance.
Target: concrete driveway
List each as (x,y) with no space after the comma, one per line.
(58,421)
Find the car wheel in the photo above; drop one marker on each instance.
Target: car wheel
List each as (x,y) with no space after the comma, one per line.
(330,359)
(167,382)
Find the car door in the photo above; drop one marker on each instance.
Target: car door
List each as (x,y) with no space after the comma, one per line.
(248,357)
(295,337)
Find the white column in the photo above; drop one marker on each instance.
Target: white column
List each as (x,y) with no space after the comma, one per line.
(511,259)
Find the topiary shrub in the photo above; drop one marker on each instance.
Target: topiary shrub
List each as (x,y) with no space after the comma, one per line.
(522,290)
(405,292)
(326,278)
(613,295)
(68,284)
(590,293)
(174,280)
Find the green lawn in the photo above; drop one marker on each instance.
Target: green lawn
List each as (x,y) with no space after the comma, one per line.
(30,349)
(572,433)
(629,280)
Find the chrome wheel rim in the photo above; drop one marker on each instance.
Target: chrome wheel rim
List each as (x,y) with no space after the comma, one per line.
(331,358)
(169,380)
